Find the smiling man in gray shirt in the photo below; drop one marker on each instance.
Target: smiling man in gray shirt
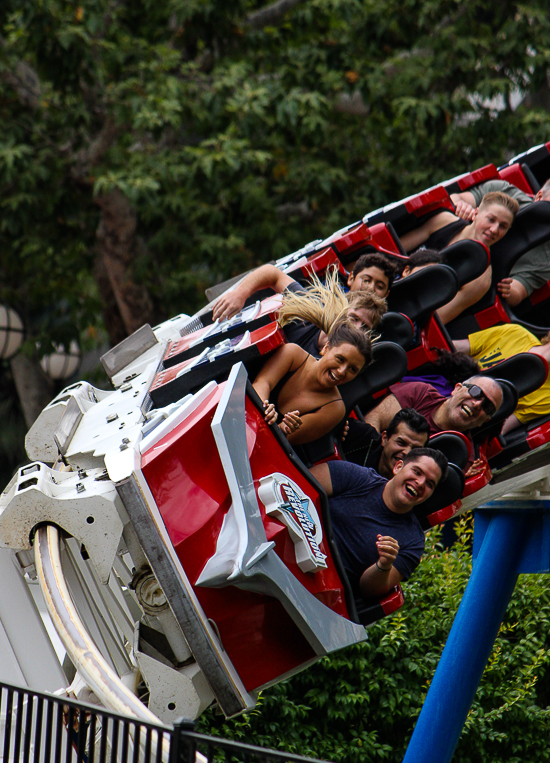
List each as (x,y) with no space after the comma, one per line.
(533,269)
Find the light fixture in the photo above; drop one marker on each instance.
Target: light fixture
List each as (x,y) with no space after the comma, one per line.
(62,363)
(12,332)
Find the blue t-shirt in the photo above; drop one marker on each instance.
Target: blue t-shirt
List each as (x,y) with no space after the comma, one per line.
(359,514)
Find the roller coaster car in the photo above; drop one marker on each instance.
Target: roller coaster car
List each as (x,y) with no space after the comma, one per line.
(234,529)
(531,227)
(419,295)
(252,532)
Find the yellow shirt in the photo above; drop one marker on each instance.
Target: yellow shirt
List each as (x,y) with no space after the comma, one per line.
(498,343)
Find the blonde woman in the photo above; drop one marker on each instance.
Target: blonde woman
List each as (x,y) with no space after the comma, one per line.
(308,314)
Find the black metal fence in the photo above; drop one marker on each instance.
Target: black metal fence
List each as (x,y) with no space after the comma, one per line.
(41,728)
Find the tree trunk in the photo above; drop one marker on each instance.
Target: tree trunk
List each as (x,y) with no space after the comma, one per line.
(116,246)
(34,387)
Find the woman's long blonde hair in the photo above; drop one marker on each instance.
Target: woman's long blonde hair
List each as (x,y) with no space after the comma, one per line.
(325,303)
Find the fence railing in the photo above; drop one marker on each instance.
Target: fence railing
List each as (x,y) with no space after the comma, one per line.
(41,728)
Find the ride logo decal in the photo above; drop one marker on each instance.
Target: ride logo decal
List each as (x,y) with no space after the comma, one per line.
(283,498)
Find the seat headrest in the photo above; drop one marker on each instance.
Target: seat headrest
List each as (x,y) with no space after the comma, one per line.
(397,328)
(454,445)
(469,259)
(420,294)
(526,371)
(448,491)
(389,365)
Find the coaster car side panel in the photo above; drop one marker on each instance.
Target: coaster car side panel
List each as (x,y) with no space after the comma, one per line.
(251,625)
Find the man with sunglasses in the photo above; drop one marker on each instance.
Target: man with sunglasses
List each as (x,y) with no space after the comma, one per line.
(498,343)
(471,404)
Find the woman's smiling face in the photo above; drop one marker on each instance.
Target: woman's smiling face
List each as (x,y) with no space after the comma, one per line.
(339,364)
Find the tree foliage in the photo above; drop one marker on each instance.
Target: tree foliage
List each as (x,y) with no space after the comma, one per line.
(151,149)
(361,704)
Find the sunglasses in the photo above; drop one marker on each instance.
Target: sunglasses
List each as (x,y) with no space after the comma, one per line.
(477,393)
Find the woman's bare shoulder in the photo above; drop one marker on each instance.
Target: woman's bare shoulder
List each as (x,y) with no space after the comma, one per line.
(296,354)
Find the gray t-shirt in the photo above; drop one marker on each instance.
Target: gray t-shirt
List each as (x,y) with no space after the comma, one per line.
(533,269)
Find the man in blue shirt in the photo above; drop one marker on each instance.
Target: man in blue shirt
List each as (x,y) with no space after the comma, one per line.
(379,538)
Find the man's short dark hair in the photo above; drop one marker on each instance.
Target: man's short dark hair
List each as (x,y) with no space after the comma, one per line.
(423,257)
(414,420)
(376,260)
(441,460)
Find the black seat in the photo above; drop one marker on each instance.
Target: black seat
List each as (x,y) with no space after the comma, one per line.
(453,445)
(389,365)
(531,227)
(468,259)
(526,371)
(492,427)
(521,440)
(421,293)
(397,328)
(448,491)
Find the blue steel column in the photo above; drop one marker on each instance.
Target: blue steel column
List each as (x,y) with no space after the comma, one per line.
(471,639)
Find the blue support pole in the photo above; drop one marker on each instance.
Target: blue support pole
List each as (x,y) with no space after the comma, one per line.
(471,639)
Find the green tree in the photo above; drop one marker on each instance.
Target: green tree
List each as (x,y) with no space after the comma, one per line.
(151,149)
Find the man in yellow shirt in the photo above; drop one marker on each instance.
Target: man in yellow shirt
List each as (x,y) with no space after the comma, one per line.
(498,343)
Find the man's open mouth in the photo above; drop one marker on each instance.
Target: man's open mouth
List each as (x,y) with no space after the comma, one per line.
(465,408)
(411,491)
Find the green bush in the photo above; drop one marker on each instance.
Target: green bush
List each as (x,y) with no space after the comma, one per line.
(361,704)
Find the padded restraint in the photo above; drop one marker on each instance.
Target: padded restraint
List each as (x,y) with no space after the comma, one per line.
(421,293)
(389,365)
(448,491)
(468,259)
(453,445)
(397,328)
(526,371)
(531,227)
